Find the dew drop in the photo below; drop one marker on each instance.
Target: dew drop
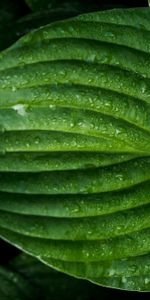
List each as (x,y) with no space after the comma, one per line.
(117,131)
(15,279)
(52,106)
(89,232)
(147,280)
(45,34)
(124,279)
(72,125)
(75,210)
(37,140)
(109,34)
(107,104)
(119,176)
(111,272)
(20,109)
(91,58)
(143,88)
(13,89)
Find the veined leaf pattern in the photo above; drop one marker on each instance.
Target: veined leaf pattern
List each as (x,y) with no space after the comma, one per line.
(75,146)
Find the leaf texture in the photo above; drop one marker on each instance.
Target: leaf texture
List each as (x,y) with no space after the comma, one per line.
(26,278)
(46,281)
(75,146)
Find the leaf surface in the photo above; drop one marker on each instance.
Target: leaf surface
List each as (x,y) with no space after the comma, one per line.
(75,146)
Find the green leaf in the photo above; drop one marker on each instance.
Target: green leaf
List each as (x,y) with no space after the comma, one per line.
(51,284)
(26,278)
(57,11)
(75,146)
(45,13)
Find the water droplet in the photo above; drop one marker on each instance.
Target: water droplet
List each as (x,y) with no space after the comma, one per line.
(118,227)
(109,34)
(72,125)
(133,268)
(89,232)
(75,210)
(13,89)
(52,106)
(20,109)
(119,176)
(117,131)
(45,34)
(124,279)
(111,272)
(147,280)
(107,104)
(143,88)
(91,58)
(37,140)
(15,279)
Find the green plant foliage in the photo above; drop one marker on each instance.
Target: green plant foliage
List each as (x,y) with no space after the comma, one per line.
(51,284)
(40,18)
(58,10)
(75,146)
(26,278)
(44,13)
